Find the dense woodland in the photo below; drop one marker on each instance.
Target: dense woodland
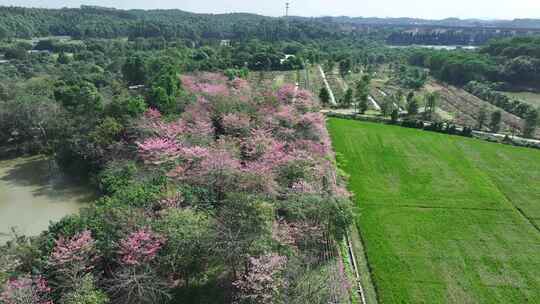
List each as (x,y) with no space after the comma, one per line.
(93,22)
(211,190)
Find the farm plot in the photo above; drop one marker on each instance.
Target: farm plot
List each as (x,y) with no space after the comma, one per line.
(445,219)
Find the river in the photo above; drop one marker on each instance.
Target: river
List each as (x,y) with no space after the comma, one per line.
(34,192)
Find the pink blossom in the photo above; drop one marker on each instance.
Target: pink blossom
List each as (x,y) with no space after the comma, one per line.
(191,154)
(254,146)
(209,84)
(152,114)
(196,119)
(271,159)
(213,77)
(220,160)
(240,84)
(236,123)
(304,101)
(287,116)
(287,93)
(26,290)
(261,282)
(78,249)
(253,149)
(172,202)
(171,130)
(213,89)
(157,150)
(315,121)
(313,147)
(140,247)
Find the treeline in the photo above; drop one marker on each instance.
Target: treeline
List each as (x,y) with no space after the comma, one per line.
(514,47)
(487,92)
(94,22)
(446,37)
(515,61)
(455,67)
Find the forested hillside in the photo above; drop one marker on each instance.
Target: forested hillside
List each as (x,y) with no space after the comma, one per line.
(88,22)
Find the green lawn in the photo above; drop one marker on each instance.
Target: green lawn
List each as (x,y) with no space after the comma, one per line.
(445,219)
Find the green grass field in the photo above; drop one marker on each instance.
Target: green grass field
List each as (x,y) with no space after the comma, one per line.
(445,219)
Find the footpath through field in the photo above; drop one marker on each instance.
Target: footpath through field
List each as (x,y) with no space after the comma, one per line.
(332,97)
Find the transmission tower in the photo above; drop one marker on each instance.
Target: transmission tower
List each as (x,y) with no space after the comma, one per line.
(287,6)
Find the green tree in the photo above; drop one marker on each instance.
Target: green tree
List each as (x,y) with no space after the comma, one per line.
(495,123)
(87,293)
(106,132)
(387,105)
(16,53)
(125,107)
(362,93)
(398,97)
(188,242)
(431,100)
(161,100)
(531,122)
(81,98)
(410,96)
(347,98)
(345,66)
(412,106)
(329,66)
(242,225)
(394,115)
(482,117)
(134,70)
(63,58)
(324,96)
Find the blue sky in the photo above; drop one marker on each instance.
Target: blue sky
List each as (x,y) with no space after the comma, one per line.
(435,9)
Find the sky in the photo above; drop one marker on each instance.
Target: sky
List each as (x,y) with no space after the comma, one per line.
(430,9)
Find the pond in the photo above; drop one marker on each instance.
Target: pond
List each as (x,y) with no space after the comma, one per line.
(34,192)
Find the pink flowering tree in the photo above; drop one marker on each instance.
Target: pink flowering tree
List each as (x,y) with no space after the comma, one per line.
(140,247)
(158,150)
(73,258)
(287,93)
(210,84)
(236,124)
(137,280)
(261,283)
(240,85)
(219,172)
(26,290)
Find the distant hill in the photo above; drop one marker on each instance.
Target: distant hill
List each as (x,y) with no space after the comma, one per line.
(97,22)
(100,22)
(448,22)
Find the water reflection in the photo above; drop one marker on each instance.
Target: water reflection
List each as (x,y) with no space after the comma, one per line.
(34,192)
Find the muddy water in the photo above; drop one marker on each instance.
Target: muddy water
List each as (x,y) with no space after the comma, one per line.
(33,192)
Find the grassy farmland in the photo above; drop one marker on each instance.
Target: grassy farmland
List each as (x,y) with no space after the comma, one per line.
(444,219)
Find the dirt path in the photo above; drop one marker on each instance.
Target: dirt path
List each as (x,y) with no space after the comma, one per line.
(374,103)
(332,98)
